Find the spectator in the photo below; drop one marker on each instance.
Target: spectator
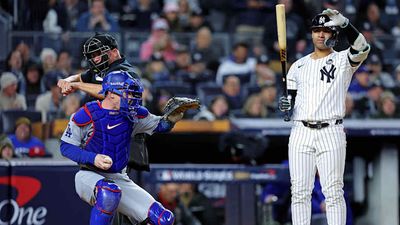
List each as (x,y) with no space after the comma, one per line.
(181,66)
(34,76)
(64,63)
(6,151)
(387,107)
(377,47)
(296,34)
(147,96)
(50,101)
(139,16)
(359,86)
(368,105)
(253,108)
(204,46)
(9,98)
(48,58)
(26,145)
(238,64)
(263,73)
(56,19)
(197,21)
(218,109)
(374,64)
(184,13)
(374,17)
(268,95)
(14,65)
(74,9)
(232,91)
(27,57)
(350,111)
(156,69)
(159,41)
(170,11)
(97,19)
(396,89)
(198,204)
(69,105)
(168,197)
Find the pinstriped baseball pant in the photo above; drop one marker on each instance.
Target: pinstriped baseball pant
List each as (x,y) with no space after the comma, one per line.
(323,150)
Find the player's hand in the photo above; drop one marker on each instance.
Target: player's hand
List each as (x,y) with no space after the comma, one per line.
(175,117)
(337,19)
(285,103)
(103,162)
(65,86)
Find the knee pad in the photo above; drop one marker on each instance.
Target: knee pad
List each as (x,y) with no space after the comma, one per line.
(158,215)
(108,195)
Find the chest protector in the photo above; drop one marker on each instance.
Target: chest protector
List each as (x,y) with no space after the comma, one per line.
(111,133)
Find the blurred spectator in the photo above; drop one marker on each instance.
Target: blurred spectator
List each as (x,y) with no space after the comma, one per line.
(360,84)
(6,151)
(168,197)
(263,73)
(217,109)
(26,145)
(34,75)
(184,12)
(147,96)
(204,46)
(197,203)
(197,21)
(296,32)
(159,41)
(156,69)
(231,89)
(27,57)
(374,16)
(182,64)
(350,111)
(97,19)
(374,65)
(250,15)
(268,95)
(238,64)
(74,8)
(171,15)
(69,105)
(253,108)
(377,47)
(56,19)
(5,140)
(368,105)
(64,63)
(14,65)
(139,14)
(160,101)
(48,58)
(9,98)
(396,89)
(50,101)
(387,106)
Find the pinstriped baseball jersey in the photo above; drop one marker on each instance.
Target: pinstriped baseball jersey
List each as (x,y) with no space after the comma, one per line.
(321,86)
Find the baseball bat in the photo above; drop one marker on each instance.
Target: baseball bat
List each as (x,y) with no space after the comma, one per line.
(281,25)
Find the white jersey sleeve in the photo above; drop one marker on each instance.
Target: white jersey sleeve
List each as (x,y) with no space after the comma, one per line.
(291,76)
(146,125)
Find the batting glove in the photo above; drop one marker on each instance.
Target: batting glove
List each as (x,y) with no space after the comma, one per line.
(337,19)
(285,103)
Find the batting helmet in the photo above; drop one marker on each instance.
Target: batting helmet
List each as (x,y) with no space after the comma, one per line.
(130,90)
(95,51)
(319,21)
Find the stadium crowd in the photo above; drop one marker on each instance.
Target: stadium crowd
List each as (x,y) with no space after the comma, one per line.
(245,82)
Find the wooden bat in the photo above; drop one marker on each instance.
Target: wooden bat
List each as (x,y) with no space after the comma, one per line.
(281,25)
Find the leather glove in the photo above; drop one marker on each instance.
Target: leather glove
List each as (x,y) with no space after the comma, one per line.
(285,103)
(337,19)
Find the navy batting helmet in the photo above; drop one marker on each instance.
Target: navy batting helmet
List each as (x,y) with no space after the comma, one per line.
(95,51)
(129,89)
(319,21)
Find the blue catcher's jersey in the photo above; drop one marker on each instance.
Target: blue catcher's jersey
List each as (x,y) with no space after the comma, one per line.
(111,133)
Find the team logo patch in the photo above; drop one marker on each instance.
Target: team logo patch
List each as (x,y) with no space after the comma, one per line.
(328,73)
(321,20)
(329,62)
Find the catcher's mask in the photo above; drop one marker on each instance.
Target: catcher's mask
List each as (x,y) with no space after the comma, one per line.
(95,51)
(130,90)
(318,21)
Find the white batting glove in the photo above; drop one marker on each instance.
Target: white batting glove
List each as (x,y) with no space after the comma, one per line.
(337,19)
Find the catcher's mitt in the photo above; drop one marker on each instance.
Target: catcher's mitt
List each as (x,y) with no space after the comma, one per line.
(178,105)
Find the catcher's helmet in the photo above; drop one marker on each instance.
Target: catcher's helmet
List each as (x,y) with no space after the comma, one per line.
(129,89)
(95,51)
(319,21)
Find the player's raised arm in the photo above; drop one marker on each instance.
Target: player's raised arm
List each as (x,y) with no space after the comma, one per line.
(359,46)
